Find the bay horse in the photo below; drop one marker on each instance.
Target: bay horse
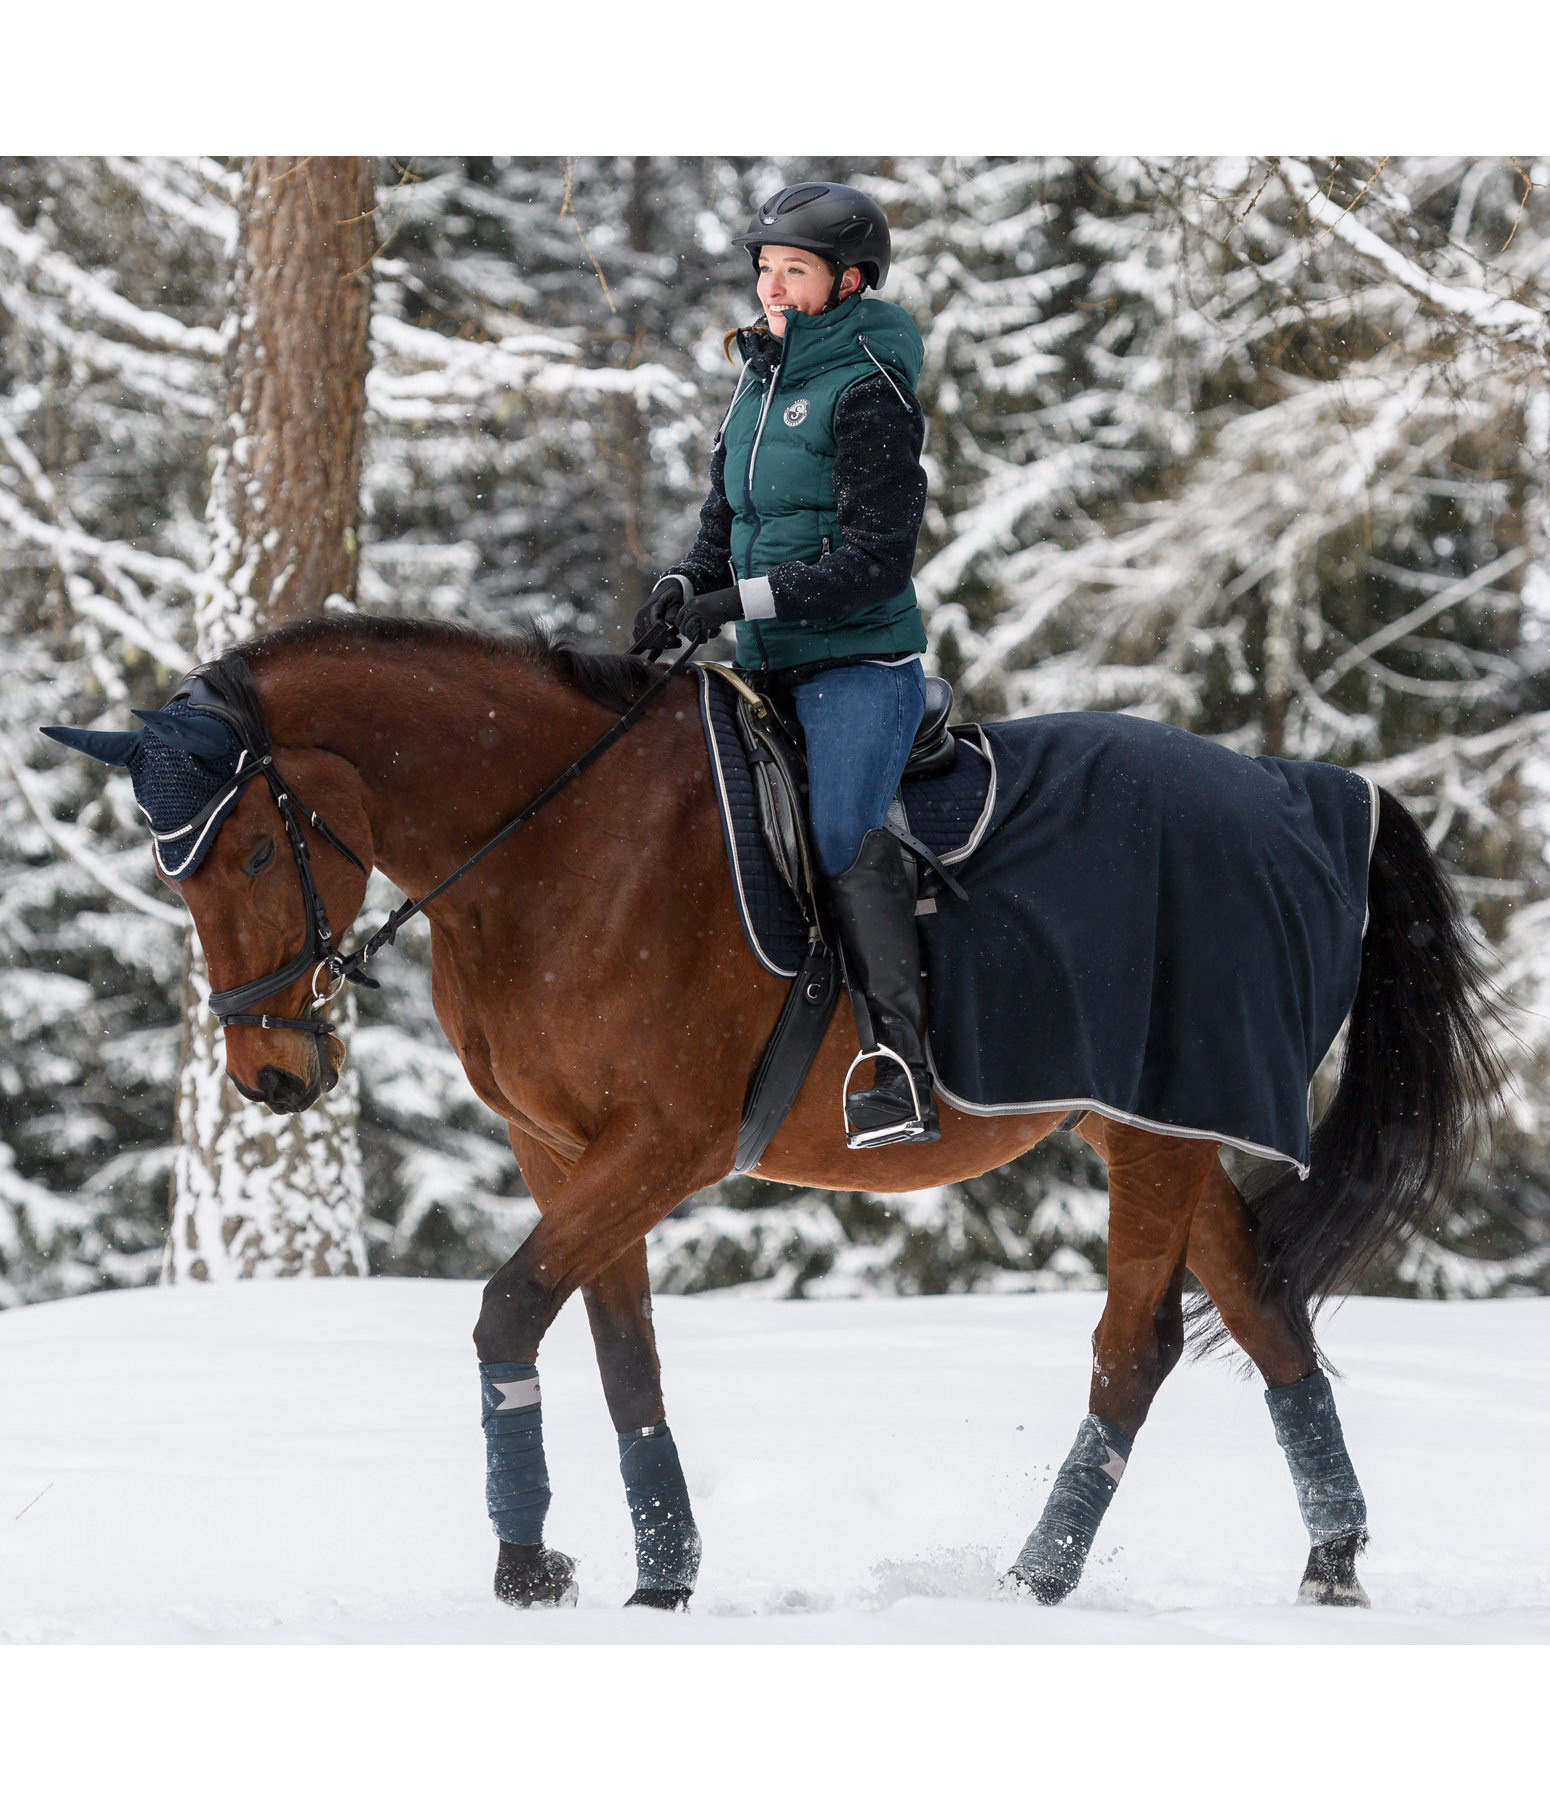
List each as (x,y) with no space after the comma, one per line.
(593,977)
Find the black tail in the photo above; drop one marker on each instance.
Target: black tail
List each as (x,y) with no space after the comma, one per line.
(1419,1081)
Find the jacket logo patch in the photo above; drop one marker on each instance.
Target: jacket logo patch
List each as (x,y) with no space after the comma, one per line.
(795,413)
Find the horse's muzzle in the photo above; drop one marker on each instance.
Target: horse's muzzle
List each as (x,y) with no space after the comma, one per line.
(283,1091)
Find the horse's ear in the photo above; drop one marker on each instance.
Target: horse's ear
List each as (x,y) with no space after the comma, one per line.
(199,737)
(115,747)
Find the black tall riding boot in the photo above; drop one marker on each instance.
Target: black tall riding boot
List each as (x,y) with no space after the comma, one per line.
(873,904)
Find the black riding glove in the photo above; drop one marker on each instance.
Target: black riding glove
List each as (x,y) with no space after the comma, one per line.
(703,616)
(666,598)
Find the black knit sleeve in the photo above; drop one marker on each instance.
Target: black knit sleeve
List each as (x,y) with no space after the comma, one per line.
(880,498)
(706,567)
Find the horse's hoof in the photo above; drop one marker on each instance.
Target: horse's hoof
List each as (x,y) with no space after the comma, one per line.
(534,1575)
(1048,1588)
(1330,1577)
(663,1599)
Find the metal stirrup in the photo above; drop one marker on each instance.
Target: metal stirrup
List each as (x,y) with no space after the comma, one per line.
(906,1130)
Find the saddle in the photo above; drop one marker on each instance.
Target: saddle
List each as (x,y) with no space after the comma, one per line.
(773,739)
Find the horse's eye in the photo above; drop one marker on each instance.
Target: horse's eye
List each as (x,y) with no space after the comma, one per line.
(261,858)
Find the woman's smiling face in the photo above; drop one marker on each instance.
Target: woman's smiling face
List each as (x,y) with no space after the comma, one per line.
(797,281)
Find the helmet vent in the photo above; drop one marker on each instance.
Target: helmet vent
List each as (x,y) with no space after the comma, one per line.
(799,197)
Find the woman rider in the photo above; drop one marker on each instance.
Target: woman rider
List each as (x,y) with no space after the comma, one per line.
(815,505)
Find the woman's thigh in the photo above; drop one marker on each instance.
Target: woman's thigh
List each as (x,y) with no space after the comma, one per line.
(859,722)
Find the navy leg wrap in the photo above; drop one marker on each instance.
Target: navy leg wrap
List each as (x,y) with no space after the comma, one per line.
(1052,1559)
(517,1482)
(667,1546)
(1308,1429)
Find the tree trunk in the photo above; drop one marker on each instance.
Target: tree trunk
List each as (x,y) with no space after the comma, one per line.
(254,1194)
(629,452)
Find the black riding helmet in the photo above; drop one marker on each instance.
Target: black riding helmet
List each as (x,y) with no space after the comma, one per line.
(847,228)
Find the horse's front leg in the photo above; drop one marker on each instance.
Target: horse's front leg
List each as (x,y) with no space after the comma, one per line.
(667,1545)
(599,1210)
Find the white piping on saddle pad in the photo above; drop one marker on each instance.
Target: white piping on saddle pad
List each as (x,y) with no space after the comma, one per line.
(981,743)
(978,742)
(1108,1112)
(1372,842)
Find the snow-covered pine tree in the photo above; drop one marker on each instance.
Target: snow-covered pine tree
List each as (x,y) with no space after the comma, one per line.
(253,1193)
(579,303)
(1326,378)
(109,272)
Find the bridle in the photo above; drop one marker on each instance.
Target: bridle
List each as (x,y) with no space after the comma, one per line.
(232,1006)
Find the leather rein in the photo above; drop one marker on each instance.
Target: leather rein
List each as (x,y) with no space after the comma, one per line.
(233,1006)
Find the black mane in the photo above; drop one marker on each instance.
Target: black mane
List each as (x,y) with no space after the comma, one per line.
(612,681)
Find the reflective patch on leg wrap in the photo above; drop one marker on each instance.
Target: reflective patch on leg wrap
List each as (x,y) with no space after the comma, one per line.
(1057,1548)
(1307,1427)
(667,1546)
(516,1488)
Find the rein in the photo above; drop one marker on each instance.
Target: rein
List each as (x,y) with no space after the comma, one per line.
(229,1005)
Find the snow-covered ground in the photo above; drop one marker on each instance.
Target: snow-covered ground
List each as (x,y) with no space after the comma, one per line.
(302,1462)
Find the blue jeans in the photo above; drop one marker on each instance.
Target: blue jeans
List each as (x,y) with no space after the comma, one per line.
(860,722)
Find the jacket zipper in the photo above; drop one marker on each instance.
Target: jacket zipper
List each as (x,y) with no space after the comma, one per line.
(753,453)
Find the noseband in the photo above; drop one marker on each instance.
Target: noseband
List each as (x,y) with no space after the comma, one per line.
(233,1006)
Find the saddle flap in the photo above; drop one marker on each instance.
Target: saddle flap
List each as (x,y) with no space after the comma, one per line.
(779,775)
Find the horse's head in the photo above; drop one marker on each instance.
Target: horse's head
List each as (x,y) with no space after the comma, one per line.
(216,796)
(250,912)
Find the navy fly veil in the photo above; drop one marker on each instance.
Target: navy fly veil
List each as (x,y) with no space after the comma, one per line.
(190,762)
(185,796)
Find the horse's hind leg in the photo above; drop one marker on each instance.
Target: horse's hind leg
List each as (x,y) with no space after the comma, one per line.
(1154,1183)
(667,1545)
(1222,1257)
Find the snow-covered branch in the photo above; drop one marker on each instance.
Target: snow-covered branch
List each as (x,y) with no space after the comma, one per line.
(29,253)
(74,844)
(71,542)
(421,375)
(1391,633)
(183,195)
(1508,320)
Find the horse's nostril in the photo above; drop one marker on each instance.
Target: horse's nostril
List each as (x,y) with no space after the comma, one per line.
(282,1091)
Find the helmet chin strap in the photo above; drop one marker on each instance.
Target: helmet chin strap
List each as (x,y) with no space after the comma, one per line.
(834,289)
